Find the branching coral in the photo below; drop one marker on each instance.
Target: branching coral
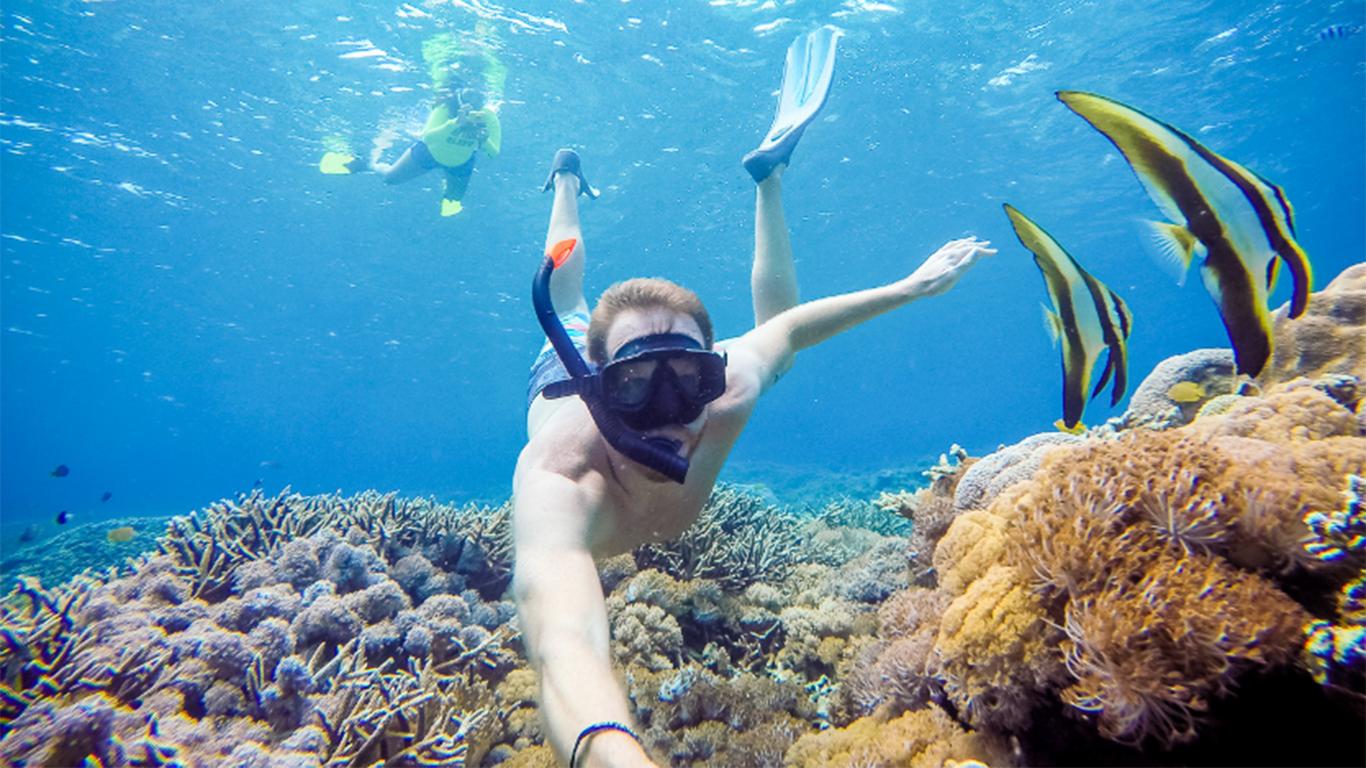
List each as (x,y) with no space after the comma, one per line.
(208,651)
(737,540)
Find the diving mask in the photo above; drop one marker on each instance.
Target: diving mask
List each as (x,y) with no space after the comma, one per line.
(661,379)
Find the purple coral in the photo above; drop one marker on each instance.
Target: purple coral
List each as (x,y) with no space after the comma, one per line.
(378,602)
(298,564)
(326,620)
(272,641)
(352,568)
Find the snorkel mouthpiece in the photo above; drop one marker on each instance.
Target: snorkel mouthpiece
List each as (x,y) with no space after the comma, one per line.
(659,454)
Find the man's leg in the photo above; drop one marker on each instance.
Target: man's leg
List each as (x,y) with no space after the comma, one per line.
(414,162)
(566,283)
(773,280)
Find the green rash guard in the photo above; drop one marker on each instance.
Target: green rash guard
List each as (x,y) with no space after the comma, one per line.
(453,141)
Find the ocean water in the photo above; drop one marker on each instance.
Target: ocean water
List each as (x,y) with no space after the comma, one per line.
(189,307)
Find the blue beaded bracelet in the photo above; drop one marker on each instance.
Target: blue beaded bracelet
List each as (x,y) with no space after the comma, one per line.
(606,725)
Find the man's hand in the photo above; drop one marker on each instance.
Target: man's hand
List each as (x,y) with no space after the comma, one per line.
(943,268)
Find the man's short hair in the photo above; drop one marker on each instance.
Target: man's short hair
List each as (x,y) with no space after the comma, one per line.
(642,293)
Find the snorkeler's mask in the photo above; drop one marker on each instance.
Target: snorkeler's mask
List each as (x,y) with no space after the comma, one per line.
(660,379)
(655,380)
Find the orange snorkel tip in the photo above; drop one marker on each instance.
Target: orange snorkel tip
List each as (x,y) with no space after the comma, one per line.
(559,252)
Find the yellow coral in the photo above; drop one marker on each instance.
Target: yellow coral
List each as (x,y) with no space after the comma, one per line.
(974,542)
(923,738)
(1292,415)
(992,649)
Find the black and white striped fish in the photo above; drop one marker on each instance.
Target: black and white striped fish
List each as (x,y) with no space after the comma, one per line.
(1240,225)
(1338,32)
(1087,318)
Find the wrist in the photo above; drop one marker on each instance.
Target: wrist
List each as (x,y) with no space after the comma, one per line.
(608,747)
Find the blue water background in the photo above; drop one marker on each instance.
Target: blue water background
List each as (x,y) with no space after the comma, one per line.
(190,306)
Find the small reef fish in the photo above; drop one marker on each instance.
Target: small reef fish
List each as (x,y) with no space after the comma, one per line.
(1087,317)
(1241,225)
(63,517)
(30,533)
(121,535)
(106,496)
(62,470)
(1186,392)
(1338,32)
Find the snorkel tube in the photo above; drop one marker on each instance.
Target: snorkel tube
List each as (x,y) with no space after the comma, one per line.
(583,382)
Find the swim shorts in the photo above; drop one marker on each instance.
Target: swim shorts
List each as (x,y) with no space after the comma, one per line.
(548,369)
(457,178)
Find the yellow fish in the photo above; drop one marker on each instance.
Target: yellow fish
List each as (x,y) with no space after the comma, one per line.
(121,535)
(1186,392)
(1240,225)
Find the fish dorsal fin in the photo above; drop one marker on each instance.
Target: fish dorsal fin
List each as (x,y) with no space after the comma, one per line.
(1052,323)
(1175,246)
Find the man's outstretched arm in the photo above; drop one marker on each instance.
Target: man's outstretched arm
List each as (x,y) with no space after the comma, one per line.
(564,622)
(771,346)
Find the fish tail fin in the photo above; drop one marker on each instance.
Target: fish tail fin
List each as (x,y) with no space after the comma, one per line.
(1175,247)
(1076,428)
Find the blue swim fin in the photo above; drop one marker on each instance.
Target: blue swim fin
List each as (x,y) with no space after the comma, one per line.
(806,82)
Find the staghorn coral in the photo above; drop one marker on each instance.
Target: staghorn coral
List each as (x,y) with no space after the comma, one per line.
(206,652)
(737,540)
(693,715)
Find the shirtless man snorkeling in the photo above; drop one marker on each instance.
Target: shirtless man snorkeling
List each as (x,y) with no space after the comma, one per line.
(634,457)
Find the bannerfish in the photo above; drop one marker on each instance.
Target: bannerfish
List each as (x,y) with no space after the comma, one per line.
(1240,225)
(62,470)
(1338,32)
(106,496)
(121,535)
(1087,318)
(63,517)
(1186,392)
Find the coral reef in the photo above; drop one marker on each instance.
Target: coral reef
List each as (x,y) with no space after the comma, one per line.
(1139,579)
(1151,405)
(1330,338)
(269,631)
(1008,465)
(1151,592)
(926,738)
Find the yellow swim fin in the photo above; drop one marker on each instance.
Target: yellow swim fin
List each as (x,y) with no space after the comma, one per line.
(451,207)
(336,163)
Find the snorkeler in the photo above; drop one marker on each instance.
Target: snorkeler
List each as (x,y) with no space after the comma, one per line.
(463,123)
(458,128)
(624,447)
